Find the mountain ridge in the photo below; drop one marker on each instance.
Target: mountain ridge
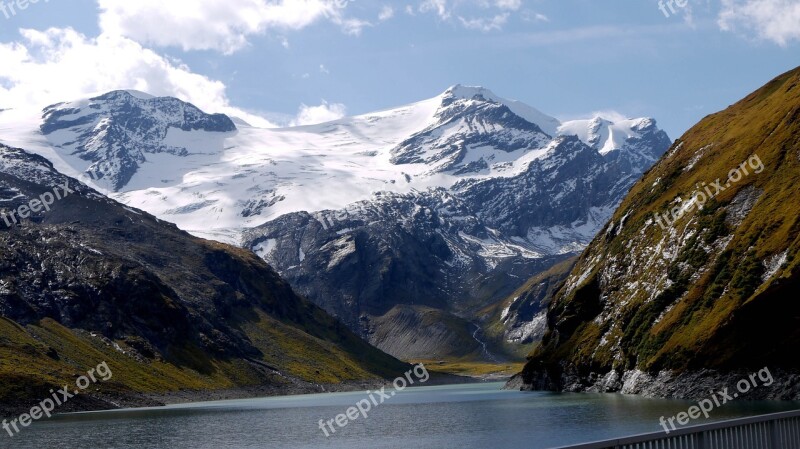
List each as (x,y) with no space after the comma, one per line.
(671,309)
(116,147)
(500,198)
(454,250)
(90,280)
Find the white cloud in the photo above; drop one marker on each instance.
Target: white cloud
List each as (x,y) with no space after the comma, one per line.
(774,20)
(449,10)
(56,65)
(485,24)
(217,25)
(532,16)
(324,69)
(387,12)
(325,112)
(610,115)
(512,5)
(607,114)
(440,7)
(352,26)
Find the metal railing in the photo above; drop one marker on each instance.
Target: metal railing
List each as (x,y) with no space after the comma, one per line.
(773,431)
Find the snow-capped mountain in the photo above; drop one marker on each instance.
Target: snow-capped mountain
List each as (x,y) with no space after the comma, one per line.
(197,171)
(456,249)
(115,131)
(449,203)
(471,130)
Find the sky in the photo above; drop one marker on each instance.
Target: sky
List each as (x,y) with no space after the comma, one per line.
(293,62)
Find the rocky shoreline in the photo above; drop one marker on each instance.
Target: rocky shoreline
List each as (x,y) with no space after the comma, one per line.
(778,385)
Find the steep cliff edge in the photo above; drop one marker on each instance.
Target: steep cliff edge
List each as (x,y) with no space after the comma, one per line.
(694,281)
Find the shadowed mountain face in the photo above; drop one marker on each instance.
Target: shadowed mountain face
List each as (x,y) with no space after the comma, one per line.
(455,250)
(518,323)
(442,207)
(89,280)
(697,270)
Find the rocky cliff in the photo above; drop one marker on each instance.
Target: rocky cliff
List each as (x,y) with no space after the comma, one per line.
(694,280)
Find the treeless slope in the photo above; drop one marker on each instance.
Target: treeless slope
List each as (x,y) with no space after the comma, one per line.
(712,287)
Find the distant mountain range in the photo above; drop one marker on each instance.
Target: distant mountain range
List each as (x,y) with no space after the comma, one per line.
(435,209)
(693,283)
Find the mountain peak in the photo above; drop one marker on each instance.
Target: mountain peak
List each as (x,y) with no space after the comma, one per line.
(115,132)
(469,92)
(456,92)
(126,93)
(598,121)
(669,292)
(607,135)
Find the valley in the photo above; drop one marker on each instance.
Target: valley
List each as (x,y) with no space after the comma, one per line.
(305,224)
(425,214)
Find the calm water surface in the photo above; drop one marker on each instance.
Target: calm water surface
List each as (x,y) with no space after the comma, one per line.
(456,416)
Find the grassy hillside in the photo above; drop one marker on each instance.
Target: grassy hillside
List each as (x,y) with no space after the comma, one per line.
(717,288)
(92,281)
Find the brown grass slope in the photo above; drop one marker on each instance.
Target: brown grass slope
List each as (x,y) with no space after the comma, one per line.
(717,290)
(92,281)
